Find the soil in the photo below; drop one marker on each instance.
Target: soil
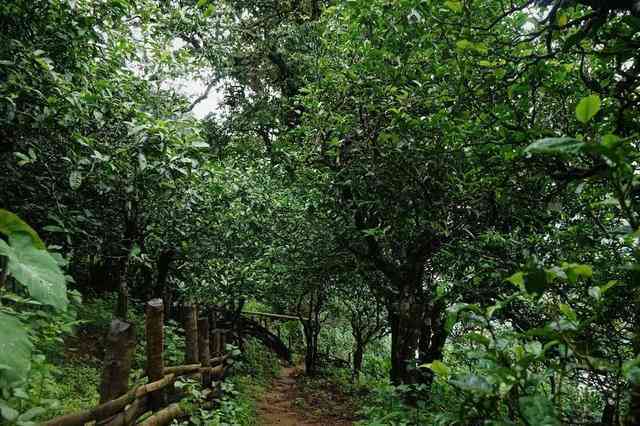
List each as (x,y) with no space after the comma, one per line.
(285,404)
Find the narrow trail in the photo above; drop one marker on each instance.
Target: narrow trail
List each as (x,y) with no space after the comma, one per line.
(277,406)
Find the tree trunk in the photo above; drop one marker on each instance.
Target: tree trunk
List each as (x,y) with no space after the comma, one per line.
(4,270)
(358,354)
(311,332)
(406,319)
(163,264)
(129,238)
(432,339)
(634,406)
(609,412)
(122,304)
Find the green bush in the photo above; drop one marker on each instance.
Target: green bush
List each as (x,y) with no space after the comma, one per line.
(258,362)
(385,406)
(235,407)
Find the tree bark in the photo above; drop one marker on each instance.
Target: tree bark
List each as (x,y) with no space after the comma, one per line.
(121,342)
(129,238)
(609,412)
(311,329)
(311,353)
(122,304)
(358,354)
(406,319)
(4,270)
(163,264)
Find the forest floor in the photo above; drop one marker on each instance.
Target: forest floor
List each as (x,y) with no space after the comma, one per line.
(288,402)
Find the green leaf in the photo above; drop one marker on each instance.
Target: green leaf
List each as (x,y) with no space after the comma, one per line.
(438,367)
(607,286)
(200,144)
(563,20)
(464,44)
(455,6)
(31,413)
(568,312)
(8,413)
(209,11)
(575,271)
(452,314)
(534,348)
(11,223)
(595,293)
(587,108)
(134,130)
(35,269)
(15,350)
(473,383)
(537,410)
(479,338)
(556,146)
(75,180)
(610,139)
(517,279)
(135,251)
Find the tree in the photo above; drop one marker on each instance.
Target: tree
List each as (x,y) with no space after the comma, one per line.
(365,311)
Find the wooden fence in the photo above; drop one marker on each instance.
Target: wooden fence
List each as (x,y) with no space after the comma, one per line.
(157,400)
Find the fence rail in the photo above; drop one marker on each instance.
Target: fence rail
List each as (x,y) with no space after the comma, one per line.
(121,405)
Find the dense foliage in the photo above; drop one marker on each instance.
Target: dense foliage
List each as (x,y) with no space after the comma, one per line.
(445,193)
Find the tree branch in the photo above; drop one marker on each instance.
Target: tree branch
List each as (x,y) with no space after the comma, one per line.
(202,97)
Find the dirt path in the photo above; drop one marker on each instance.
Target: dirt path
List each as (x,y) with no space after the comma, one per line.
(278,405)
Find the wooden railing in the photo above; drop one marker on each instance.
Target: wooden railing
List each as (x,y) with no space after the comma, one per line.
(121,405)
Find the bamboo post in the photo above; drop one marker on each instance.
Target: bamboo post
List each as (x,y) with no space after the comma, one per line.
(121,342)
(155,348)
(191,333)
(203,345)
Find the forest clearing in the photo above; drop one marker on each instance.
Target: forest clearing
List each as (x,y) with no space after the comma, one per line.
(320,212)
